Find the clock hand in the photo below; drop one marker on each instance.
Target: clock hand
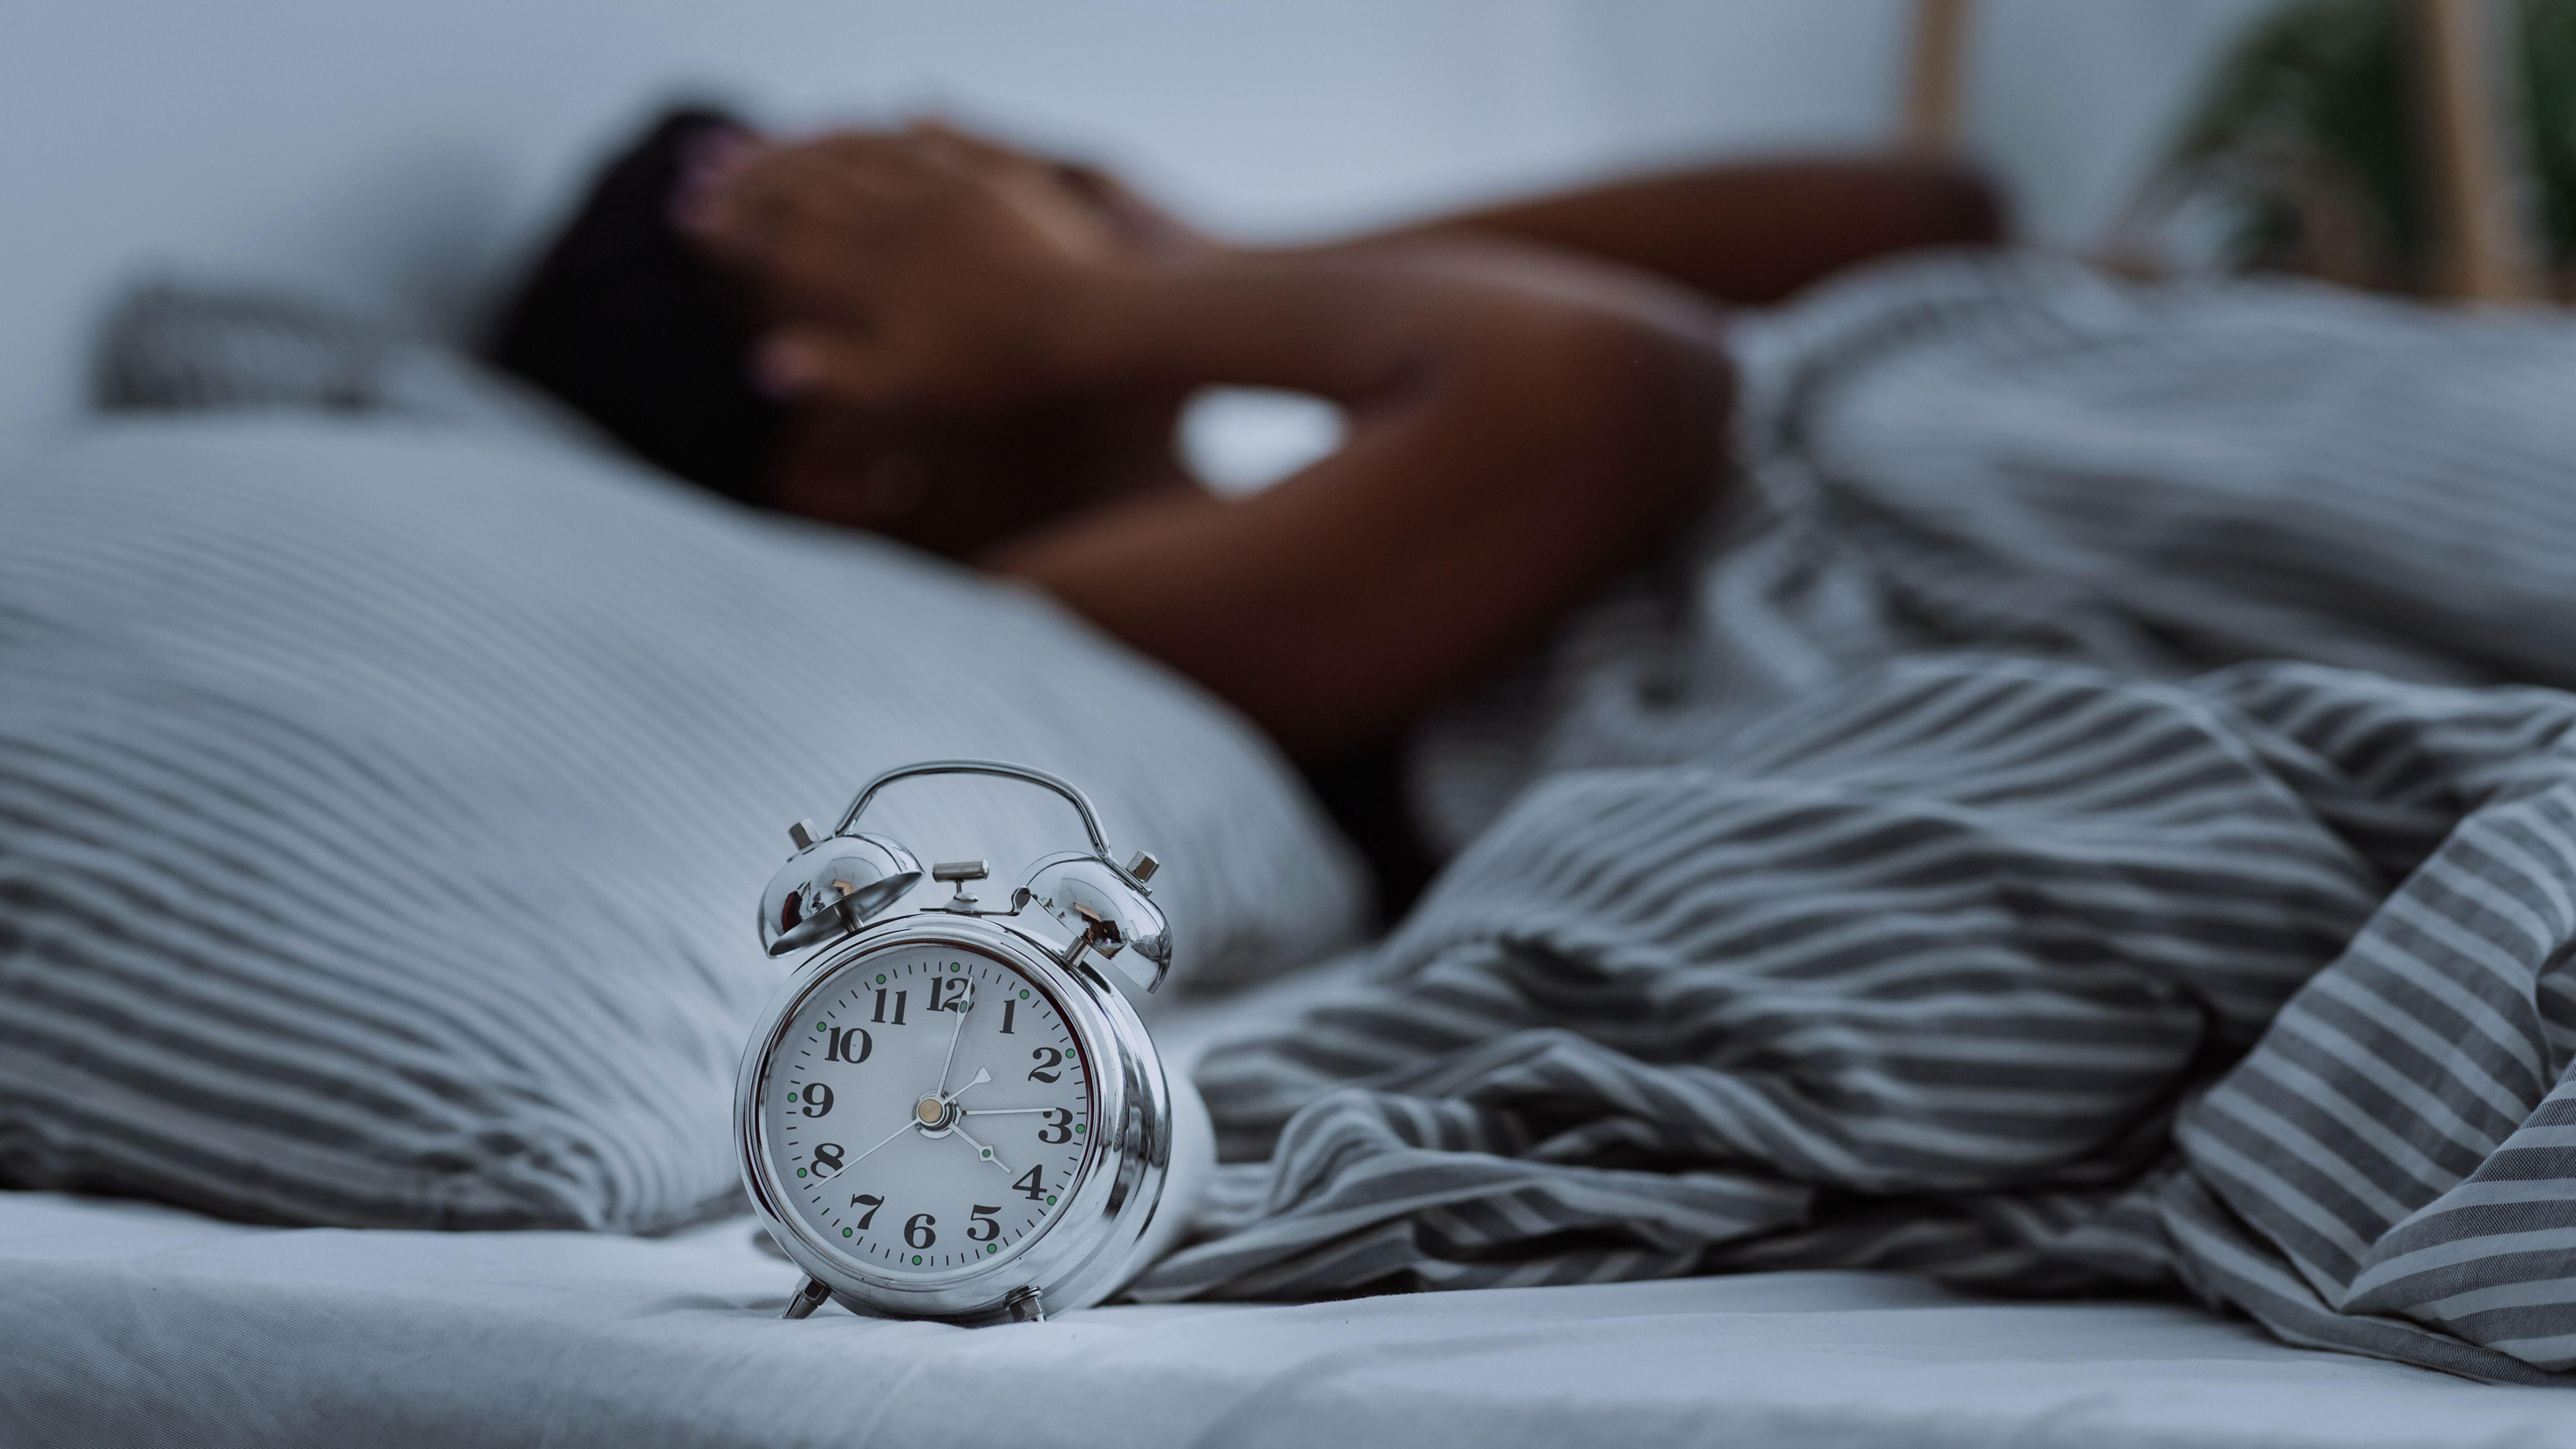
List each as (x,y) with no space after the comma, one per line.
(898,1132)
(982,1075)
(1000,1111)
(960,1005)
(981,1150)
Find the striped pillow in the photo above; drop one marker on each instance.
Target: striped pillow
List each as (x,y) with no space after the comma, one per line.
(383,808)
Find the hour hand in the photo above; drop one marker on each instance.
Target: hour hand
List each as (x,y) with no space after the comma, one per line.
(982,1075)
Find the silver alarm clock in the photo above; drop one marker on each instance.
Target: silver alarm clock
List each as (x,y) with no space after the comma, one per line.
(950,1112)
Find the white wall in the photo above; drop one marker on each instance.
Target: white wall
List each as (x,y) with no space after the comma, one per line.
(2073,100)
(396,155)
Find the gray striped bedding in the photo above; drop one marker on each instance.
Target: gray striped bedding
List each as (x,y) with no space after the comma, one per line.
(2097,813)
(384,805)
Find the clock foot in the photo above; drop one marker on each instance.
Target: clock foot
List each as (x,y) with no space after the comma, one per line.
(1025,1306)
(807,1299)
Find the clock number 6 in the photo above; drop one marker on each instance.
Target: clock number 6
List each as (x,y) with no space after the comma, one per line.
(916,1230)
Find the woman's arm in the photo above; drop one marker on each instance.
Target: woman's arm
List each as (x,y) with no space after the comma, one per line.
(1516,431)
(1747,232)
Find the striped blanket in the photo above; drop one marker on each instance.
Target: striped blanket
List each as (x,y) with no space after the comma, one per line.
(2097,814)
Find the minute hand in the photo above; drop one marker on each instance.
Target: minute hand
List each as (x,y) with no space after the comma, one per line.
(963,1005)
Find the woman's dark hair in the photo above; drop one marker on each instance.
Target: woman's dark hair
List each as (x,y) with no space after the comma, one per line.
(628,324)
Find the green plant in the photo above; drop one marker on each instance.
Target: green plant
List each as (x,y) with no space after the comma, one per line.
(2548,36)
(2316,102)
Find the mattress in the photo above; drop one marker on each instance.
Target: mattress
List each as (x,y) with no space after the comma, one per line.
(133,1325)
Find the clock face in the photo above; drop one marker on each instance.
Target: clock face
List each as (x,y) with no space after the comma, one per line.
(928,1110)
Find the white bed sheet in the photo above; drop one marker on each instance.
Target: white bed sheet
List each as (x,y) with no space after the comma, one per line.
(132,1325)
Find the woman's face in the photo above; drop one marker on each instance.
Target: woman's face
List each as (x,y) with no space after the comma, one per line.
(958,486)
(951,486)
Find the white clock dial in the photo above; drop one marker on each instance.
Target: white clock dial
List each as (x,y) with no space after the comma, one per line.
(929,1110)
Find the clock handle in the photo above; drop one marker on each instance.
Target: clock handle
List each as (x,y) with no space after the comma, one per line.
(1079,801)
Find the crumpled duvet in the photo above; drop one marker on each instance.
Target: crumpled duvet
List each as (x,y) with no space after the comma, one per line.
(2094,811)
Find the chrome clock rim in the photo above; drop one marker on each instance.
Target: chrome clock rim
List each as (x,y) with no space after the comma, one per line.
(1079,1253)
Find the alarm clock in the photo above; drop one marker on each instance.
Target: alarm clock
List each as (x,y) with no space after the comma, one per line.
(952,1112)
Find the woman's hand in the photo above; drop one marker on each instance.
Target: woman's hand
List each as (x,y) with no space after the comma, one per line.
(919,270)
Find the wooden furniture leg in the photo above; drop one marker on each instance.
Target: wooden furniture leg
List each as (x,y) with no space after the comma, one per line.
(2485,249)
(1936,67)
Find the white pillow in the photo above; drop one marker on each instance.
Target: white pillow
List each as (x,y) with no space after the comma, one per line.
(383,809)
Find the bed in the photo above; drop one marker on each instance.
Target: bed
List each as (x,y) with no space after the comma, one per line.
(140,1326)
(127,1322)
(136,1324)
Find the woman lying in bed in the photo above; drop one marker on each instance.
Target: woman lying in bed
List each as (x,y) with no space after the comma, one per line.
(983,351)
